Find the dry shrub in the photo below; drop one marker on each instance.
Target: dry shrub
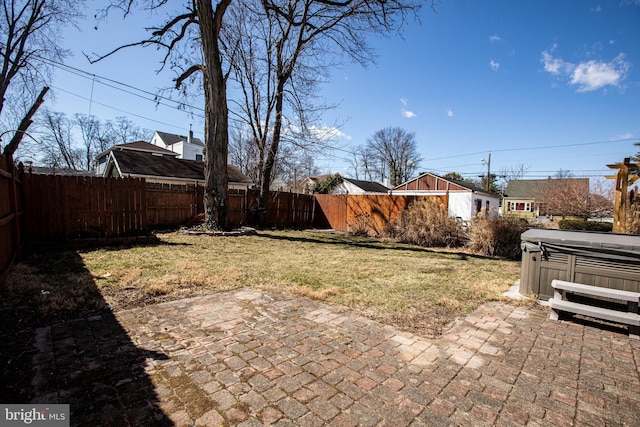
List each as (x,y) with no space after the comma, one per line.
(633,218)
(497,236)
(426,223)
(361,225)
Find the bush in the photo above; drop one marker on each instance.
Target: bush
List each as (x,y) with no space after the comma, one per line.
(581,224)
(426,223)
(327,185)
(497,236)
(361,225)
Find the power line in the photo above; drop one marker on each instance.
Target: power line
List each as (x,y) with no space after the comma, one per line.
(101,79)
(114,108)
(157,99)
(545,147)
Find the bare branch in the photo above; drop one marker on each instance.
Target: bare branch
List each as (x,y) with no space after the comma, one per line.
(191,70)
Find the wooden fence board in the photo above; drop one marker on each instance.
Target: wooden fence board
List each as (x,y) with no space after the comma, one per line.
(363,213)
(75,207)
(11,217)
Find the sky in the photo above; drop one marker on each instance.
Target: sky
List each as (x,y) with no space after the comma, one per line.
(544,86)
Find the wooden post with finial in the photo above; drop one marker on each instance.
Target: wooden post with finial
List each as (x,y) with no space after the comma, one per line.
(623,180)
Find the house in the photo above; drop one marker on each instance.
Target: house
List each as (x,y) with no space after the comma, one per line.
(355,186)
(527,198)
(465,201)
(186,147)
(305,185)
(520,198)
(142,146)
(155,164)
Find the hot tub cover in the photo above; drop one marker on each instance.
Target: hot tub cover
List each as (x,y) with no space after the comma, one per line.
(605,245)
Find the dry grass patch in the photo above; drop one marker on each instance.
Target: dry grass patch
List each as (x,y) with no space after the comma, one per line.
(410,287)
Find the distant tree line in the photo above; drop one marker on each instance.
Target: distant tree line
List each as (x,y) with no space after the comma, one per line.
(74,142)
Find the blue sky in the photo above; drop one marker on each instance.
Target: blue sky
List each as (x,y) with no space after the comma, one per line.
(549,85)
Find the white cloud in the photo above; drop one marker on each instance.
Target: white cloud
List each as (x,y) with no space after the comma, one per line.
(495,38)
(449,112)
(408,114)
(626,135)
(593,75)
(494,65)
(554,65)
(598,8)
(587,75)
(326,133)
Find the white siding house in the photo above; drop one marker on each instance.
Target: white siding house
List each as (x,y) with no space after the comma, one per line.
(465,201)
(186,147)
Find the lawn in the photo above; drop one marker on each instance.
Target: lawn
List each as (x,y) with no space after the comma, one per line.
(413,288)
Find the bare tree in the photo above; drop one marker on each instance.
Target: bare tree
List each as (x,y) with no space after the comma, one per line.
(30,39)
(394,150)
(94,136)
(290,166)
(122,130)
(57,142)
(281,50)
(565,196)
(365,165)
(243,153)
(514,172)
(190,39)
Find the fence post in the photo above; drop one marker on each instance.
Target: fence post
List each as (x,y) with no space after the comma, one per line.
(14,206)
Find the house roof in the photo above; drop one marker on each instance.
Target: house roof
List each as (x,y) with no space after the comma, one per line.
(138,146)
(472,187)
(529,188)
(170,138)
(139,163)
(39,170)
(368,186)
(430,182)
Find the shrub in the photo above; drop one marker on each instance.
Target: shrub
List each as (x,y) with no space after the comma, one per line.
(426,223)
(496,236)
(581,224)
(327,185)
(361,225)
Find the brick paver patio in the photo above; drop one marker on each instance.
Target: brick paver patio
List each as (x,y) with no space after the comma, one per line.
(252,358)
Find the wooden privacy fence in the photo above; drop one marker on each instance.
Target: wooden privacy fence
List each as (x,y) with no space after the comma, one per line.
(59,207)
(72,207)
(11,216)
(170,205)
(363,213)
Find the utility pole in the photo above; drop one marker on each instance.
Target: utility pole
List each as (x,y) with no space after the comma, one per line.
(488,162)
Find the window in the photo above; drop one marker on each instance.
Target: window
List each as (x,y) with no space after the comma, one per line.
(199,157)
(520,206)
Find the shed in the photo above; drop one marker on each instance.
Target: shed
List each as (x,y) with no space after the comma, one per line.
(464,200)
(599,259)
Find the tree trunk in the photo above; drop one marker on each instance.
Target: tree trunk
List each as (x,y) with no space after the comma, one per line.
(216,131)
(24,124)
(270,161)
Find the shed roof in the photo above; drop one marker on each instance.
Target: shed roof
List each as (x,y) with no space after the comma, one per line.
(430,182)
(368,186)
